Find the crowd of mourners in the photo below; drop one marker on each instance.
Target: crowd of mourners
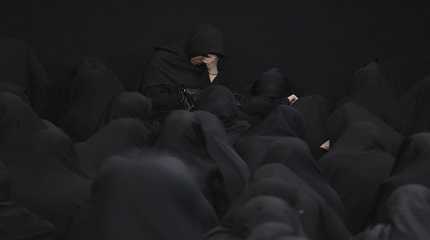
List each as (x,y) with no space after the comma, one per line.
(185,157)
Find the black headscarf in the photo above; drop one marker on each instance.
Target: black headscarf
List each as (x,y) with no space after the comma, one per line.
(118,136)
(171,66)
(373,91)
(272,84)
(356,167)
(146,195)
(411,166)
(294,154)
(199,139)
(34,154)
(221,102)
(92,90)
(319,221)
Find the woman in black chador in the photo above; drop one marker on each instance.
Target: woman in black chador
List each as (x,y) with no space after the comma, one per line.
(177,71)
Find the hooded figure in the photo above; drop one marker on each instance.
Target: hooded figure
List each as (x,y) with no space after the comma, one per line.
(22,74)
(404,215)
(356,166)
(145,195)
(277,194)
(270,90)
(221,102)
(199,140)
(170,71)
(34,154)
(92,91)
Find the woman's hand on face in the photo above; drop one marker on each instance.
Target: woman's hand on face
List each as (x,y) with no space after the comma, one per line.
(211,61)
(292,99)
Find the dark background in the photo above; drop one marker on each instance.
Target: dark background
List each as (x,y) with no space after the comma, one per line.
(317,43)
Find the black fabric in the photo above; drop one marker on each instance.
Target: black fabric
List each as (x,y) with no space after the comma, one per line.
(221,102)
(292,153)
(34,154)
(373,91)
(17,222)
(261,210)
(272,84)
(411,166)
(404,215)
(22,74)
(130,105)
(170,68)
(267,93)
(199,139)
(205,39)
(407,212)
(144,195)
(315,110)
(91,92)
(319,221)
(356,166)
(349,113)
(415,105)
(117,137)
(282,121)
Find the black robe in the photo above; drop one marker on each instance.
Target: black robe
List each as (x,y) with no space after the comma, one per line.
(91,93)
(34,154)
(17,222)
(145,195)
(170,69)
(22,74)
(199,140)
(277,194)
(115,138)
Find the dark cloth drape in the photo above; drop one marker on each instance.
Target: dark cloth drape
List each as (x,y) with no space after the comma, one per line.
(351,113)
(221,101)
(315,110)
(33,153)
(283,121)
(402,108)
(91,92)
(411,165)
(199,139)
(277,194)
(22,74)
(17,222)
(145,195)
(292,153)
(117,137)
(356,166)
(404,215)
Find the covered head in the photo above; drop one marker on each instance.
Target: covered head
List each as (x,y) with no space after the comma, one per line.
(203,40)
(272,83)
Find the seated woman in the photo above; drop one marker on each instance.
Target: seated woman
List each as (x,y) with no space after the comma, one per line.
(34,154)
(272,90)
(145,195)
(96,97)
(403,211)
(269,91)
(177,71)
(356,166)
(279,204)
